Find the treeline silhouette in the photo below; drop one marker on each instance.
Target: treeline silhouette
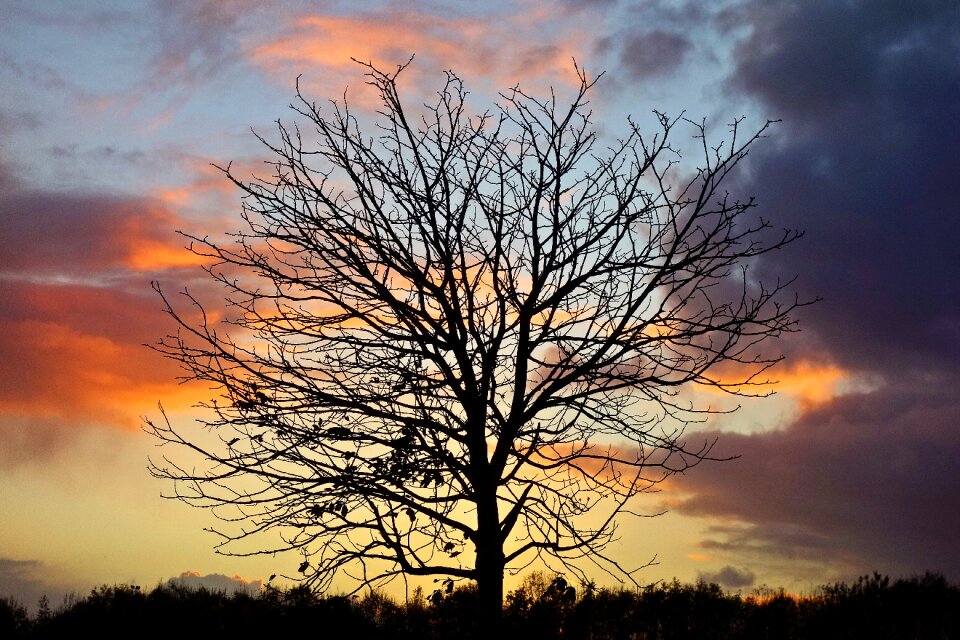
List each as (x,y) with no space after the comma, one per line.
(543,607)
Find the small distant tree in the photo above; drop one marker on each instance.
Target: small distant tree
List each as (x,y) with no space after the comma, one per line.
(44,613)
(459,339)
(14,621)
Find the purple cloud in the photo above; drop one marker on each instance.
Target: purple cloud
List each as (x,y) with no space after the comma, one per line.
(865,162)
(868,480)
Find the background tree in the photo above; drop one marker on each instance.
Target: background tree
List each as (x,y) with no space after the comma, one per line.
(459,342)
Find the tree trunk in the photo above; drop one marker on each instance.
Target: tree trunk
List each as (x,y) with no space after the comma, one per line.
(488,571)
(489,568)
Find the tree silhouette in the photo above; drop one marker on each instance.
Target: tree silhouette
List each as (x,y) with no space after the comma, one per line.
(458,342)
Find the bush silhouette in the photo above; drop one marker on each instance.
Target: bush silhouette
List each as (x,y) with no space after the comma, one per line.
(544,606)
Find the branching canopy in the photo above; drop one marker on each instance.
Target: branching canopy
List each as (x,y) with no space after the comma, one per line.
(458,345)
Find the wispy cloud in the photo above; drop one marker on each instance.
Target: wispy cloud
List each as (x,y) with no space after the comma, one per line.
(199,38)
(496,52)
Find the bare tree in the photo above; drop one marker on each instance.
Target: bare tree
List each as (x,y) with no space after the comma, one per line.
(458,343)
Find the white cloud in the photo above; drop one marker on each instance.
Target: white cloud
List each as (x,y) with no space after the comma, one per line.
(217,582)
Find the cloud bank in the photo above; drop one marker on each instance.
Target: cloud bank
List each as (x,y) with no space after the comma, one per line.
(864,162)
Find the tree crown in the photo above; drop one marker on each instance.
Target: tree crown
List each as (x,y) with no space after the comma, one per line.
(459,342)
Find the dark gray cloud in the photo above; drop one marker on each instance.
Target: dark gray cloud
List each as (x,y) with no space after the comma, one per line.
(653,53)
(102,153)
(21,581)
(654,38)
(17,120)
(665,55)
(865,163)
(38,74)
(867,480)
(590,4)
(48,232)
(730,577)
(41,15)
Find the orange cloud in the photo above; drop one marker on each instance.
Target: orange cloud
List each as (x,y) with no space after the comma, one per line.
(811,383)
(205,202)
(808,382)
(150,255)
(82,378)
(78,308)
(205,179)
(82,237)
(75,354)
(147,240)
(502,51)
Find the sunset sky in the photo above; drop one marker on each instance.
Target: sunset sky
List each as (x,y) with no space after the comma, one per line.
(111,114)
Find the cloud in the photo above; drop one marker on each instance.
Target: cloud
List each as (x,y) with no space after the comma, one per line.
(35,73)
(71,235)
(866,480)
(864,162)
(499,52)
(806,379)
(656,47)
(197,38)
(25,581)
(730,577)
(580,5)
(217,582)
(18,575)
(75,273)
(18,120)
(76,352)
(653,53)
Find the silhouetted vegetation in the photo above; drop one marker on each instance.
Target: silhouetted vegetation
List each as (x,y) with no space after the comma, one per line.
(543,607)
